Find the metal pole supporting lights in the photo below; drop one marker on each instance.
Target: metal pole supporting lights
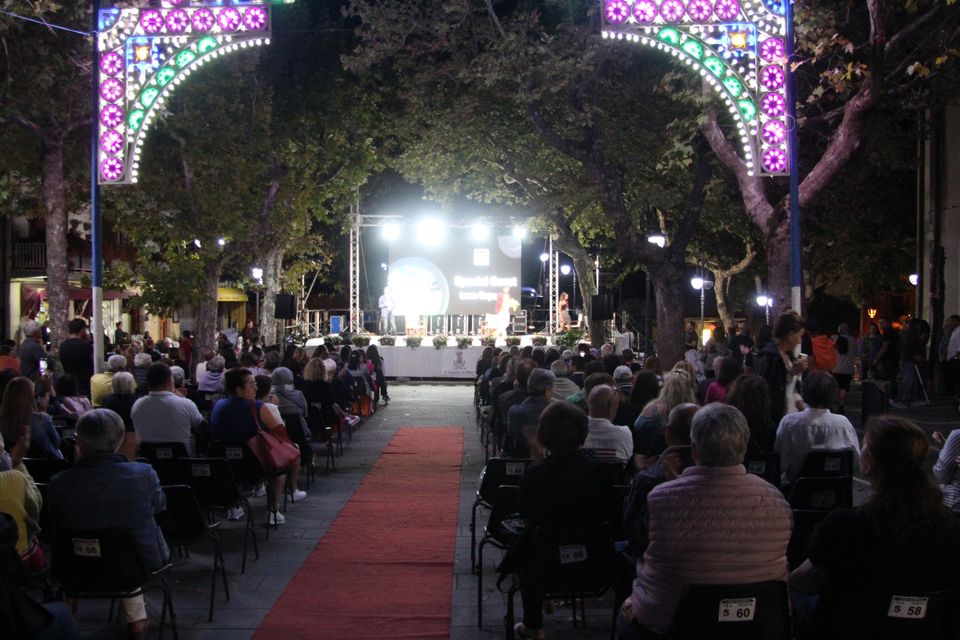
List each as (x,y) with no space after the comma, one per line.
(257,274)
(766,302)
(701,285)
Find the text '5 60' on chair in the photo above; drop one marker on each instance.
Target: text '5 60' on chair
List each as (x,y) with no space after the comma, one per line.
(757,611)
(497,471)
(505,504)
(104,564)
(183,523)
(570,562)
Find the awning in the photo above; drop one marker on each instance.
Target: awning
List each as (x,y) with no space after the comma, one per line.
(225,294)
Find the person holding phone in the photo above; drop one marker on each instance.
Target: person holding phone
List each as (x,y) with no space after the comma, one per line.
(31,351)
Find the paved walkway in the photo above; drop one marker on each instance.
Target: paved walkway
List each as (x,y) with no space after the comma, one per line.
(424,405)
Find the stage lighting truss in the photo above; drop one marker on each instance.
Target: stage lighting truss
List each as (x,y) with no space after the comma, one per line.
(739,48)
(144,53)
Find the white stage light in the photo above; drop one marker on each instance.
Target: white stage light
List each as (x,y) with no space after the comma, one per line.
(914,279)
(519,232)
(565,269)
(544,257)
(696,283)
(430,232)
(391,232)
(479,232)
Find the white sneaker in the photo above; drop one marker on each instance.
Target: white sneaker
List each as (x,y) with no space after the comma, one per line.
(261,490)
(898,405)
(236,513)
(275,518)
(299,495)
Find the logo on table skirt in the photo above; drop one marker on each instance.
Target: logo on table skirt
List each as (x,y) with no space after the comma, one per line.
(459,362)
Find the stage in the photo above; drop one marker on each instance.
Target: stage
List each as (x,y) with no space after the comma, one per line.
(427,361)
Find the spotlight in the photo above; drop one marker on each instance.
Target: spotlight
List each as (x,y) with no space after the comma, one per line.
(257,274)
(565,269)
(479,231)
(696,283)
(544,257)
(221,241)
(914,279)
(762,301)
(430,232)
(391,232)
(520,232)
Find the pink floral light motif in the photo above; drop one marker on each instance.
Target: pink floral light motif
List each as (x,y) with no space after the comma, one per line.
(111,170)
(229,19)
(203,20)
(771,77)
(151,20)
(700,10)
(727,9)
(255,19)
(112,116)
(774,132)
(774,160)
(170,4)
(177,21)
(672,10)
(111,142)
(772,49)
(111,63)
(617,11)
(773,105)
(111,90)
(645,11)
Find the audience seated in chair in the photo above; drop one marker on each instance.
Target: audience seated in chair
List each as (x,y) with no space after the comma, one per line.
(162,415)
(19,495)
(715,524)
(105,491)
(816,427)
(508,399)
(648,430)
(608,442)
(44,439)
(903,541)
(565,489)
(100,383)
(521,439)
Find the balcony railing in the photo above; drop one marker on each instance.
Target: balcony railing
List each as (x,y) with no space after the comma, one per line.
(32,256)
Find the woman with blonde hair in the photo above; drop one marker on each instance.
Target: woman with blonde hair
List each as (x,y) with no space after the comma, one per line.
(648,430)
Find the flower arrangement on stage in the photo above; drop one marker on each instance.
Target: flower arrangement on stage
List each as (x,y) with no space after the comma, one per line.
(488,341)
(413,341)
(439,341)
(387,341)
(335,340)
(464,343)
(569,338)
(513,341)
(361,341)
(539,341)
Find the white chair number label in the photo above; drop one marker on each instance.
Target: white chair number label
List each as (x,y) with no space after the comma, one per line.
(831,464)
(86,548)
(572,553)
(907,608)
(514,469)
(756,467)
(234,453)
(164,454)
(823,499)
(200,470)
(737,609)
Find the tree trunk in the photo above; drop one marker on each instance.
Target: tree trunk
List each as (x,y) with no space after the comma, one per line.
(206,311)
(779,266)
(55,220)
(669,292)
(270,327)
(587,287)
(720,283)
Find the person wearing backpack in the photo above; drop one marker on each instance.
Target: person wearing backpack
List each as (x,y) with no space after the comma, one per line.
(847,348)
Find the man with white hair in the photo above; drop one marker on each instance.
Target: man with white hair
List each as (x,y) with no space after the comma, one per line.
(31,350)
(715,524)
(563,386)
(608,442)
(101,384)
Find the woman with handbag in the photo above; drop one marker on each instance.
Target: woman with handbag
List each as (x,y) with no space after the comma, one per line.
(241,419)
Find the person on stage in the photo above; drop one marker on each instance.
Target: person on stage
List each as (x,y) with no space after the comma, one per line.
(564,312)
(388,325)
(505,305)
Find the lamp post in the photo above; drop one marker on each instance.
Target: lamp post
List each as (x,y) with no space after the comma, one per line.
(701,285)
(766,302)
(257,274)
(566,269)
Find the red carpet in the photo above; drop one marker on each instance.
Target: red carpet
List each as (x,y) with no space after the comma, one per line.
(385,567)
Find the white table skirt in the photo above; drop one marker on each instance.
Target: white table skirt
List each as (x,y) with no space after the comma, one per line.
(426,361)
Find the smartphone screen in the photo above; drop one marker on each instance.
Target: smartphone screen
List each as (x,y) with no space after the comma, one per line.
(43,366)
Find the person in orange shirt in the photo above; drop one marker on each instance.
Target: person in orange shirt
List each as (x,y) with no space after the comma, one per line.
(8,358)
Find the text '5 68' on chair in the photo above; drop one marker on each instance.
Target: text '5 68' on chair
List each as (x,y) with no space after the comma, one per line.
(496,472)
(757,611)
(104,564)
(183,523)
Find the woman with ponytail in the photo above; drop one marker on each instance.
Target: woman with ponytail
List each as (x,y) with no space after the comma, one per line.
(903,541)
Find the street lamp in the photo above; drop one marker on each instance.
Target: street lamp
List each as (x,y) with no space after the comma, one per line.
(566,270)
(701,285)
(257,274)
(766,302)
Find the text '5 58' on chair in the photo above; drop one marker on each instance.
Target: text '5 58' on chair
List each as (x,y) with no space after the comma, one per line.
(183,523)
(756,611)
(104,564)
(496,472)
(896,615)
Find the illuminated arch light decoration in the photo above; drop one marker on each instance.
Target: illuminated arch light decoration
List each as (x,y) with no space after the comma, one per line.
(145,53)
(738,46)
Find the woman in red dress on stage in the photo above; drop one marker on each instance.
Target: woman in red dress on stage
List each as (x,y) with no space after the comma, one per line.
(564,312)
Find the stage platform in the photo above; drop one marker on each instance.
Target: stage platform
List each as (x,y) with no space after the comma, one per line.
(429,362)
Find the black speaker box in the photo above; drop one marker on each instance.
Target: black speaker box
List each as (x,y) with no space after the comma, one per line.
(286,307)
(601,307)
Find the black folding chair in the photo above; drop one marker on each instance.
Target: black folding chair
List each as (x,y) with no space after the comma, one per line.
(505,504)
(298,437)
(758,611)
(896,615)
(162,450)
(497,471)
(322,433)
(827,463)
(764,464)
(183,523)
(215,489)
(804,522)
(247,470)
(42,469)
(822,494)
(104,564)
(574,563)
